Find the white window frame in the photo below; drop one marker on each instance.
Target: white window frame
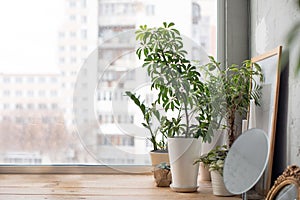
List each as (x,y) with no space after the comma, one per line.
(222,48)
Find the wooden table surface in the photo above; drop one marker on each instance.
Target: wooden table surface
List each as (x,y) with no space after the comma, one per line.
(90,186)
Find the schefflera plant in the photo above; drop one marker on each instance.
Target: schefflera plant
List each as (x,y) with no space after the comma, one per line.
(177,80)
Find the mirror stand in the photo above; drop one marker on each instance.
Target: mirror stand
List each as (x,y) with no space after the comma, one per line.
(244,196)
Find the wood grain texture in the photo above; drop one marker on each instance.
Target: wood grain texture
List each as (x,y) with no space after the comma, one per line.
(90,187)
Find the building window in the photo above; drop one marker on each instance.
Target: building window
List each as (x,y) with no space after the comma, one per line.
(61,48)
(6,106)
(84,34)
(42,106)
(61,35)
(73,60)
(19,80)
(72,34)
(30,106)
(72,18)
(41,93)
(6,80)
(30,80)
(83,3)
(19,93)
(19,106)
(196,13)
(30,93)
(42,80)
(73,48)
(61,60)
(150,10)
(72,3)
(6,93)
(83,19)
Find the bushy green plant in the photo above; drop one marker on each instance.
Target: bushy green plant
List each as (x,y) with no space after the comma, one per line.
(214,159)
(177,81)
(231,89)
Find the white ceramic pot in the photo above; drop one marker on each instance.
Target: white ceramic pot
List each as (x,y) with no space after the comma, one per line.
(218,139)
(218,185)
(182,153)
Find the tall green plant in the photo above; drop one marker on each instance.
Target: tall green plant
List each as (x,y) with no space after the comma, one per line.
(231,90)
(177,80)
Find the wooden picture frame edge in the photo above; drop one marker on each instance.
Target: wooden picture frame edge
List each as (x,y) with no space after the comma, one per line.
(258,58)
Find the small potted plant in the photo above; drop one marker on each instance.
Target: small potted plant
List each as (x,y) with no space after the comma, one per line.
(159,154)
(180,92)
(162,175)
(231,90)
(214,160)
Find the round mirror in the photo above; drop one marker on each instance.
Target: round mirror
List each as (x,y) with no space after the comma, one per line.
(288,192)
(287,185)
(246,161)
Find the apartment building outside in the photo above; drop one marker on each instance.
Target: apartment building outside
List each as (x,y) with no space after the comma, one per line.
(97,64)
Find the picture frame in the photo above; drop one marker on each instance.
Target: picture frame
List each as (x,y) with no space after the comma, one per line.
(265,115)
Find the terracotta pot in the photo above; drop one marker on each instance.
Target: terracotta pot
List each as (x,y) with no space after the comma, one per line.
(218,186)
(158,157)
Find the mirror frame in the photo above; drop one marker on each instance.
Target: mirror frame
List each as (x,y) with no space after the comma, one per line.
(291,175)
(264,184)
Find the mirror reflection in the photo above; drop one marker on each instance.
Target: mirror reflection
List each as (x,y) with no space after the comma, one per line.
(288,192)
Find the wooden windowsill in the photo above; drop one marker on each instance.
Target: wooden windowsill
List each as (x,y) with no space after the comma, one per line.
(92,186)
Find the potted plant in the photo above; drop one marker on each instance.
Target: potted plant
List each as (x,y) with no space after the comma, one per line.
(214,160)
(162,175)
(159,154)
(231,90)
(181,93)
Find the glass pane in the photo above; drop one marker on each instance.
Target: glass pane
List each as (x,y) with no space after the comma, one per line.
(63,77)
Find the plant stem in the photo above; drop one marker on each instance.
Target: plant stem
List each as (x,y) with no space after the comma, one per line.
(231,120)
(187,120)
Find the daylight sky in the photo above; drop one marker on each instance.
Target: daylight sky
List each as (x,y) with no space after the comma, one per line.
(28,35)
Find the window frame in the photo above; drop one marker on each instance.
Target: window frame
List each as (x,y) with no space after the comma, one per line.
(115,169)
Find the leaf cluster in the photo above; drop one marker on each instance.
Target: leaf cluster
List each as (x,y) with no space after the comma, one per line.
(177,80)
(214,159)
(148,114)
(232,87)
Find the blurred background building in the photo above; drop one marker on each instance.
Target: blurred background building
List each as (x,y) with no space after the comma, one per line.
(97,61)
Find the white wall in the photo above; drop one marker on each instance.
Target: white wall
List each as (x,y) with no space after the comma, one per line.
(270,23)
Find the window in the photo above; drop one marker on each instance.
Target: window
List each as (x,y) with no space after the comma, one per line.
(72,18)
(19,80)
(72,3)
(84,34)
(83,19)
(150,10)
(32,100)
(73,48)
(72,34)
(83,3)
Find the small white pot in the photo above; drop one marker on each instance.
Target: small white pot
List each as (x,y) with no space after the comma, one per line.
(182,153)
(218,185)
